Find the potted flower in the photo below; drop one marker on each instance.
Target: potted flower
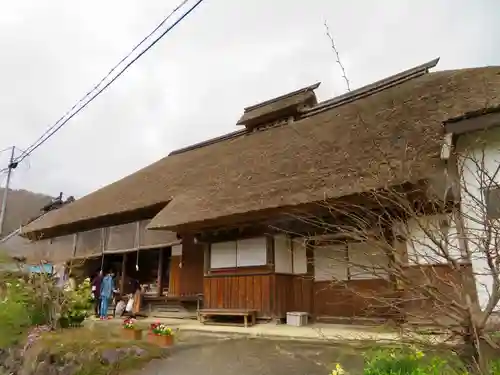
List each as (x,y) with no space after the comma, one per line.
(130,331)
(161,335)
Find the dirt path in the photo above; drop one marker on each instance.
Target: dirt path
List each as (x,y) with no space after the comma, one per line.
(243,356)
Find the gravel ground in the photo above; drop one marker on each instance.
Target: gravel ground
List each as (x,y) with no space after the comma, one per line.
(197,355)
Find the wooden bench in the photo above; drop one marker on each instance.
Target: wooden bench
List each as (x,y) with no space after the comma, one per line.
(249,316)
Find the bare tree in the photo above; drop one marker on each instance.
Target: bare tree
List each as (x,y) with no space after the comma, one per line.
(425,253)
(430,249)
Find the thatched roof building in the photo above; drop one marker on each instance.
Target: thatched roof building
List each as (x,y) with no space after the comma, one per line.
(389,132)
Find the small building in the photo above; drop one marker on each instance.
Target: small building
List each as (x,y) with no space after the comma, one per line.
(219,220)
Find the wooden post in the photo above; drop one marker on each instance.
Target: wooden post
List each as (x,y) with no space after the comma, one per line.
(206,259)
(160,271)
(122,280)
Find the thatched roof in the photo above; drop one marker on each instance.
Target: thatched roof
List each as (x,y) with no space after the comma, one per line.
(389,137)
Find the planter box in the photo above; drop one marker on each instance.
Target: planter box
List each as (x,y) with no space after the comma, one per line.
(160,340)
(131,334)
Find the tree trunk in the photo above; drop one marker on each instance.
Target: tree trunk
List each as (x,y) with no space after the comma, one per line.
(477,354)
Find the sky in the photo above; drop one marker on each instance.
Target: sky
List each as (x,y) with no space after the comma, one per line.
(195,82)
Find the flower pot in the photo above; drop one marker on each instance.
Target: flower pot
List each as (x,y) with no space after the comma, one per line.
(131,334)
(161,340)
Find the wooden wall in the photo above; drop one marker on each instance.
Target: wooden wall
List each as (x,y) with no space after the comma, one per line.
(174,276)
(272,295)
(447,280)
(191,272)
(292,293)
(355,298)
(239,291)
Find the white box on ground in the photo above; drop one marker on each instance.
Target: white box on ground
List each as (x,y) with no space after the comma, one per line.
(296,318)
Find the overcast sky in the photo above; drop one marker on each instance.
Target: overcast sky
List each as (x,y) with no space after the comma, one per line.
(195,83)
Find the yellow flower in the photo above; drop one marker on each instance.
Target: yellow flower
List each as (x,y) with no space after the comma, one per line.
(338,370)
(419,354)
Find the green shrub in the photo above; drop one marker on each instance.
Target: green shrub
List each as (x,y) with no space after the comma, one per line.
(411,361)
(78,302)
(408,361)
(16,312)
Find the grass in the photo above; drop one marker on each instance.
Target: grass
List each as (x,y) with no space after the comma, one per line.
(83,347)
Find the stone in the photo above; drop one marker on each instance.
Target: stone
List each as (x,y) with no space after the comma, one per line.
(111,356)
(139,352)
(68,369)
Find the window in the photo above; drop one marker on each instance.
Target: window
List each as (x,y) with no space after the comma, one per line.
(349,261)
(289,255)
(330,262)
(251,252)
(367,261)
(492,201)
(241,253)
(223,255)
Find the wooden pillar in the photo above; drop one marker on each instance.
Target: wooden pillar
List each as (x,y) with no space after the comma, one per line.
(122,280)
(160,272)
(206,259)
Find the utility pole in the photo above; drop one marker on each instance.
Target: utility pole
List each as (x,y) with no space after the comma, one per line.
(10,168)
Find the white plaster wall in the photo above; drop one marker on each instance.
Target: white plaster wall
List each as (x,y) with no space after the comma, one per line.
(283,262)
(473,149)
(421,235)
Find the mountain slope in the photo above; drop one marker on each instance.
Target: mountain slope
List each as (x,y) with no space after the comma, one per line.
(22,205)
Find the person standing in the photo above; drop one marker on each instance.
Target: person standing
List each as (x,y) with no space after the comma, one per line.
(106,293)
(96,291)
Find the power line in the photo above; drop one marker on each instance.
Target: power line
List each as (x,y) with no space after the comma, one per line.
(6,149)
(63,121)
(109,73)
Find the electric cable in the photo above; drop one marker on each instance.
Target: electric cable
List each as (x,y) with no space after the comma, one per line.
(63,121)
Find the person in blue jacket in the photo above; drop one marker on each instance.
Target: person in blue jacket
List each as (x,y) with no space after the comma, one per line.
(107,290)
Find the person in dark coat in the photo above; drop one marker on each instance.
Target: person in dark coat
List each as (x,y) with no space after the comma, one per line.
(96,291)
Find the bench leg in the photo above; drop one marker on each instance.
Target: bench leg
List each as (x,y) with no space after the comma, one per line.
(253,319)
(245,317)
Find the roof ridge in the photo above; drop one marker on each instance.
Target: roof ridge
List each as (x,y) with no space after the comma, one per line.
(351,96)
(281,97)
(209,142)
(373,88)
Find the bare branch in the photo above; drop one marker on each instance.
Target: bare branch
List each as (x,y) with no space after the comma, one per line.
(335,50)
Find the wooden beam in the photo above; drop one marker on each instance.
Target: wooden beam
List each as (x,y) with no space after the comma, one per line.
(270,252)
(161,258)
(206,258)
(122,280)
(468,125)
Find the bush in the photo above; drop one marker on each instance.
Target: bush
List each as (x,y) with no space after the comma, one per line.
(78,302)
(17,312)
(411,361)
(408,361)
